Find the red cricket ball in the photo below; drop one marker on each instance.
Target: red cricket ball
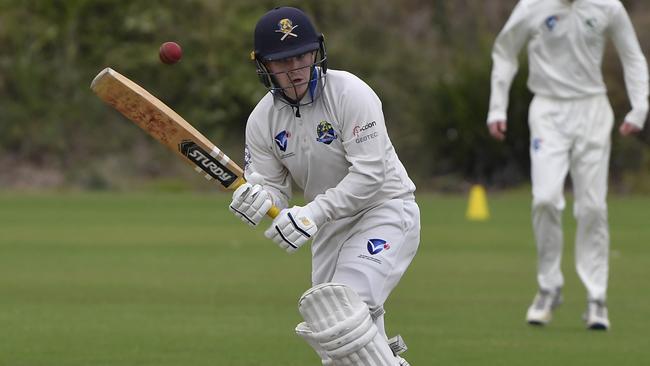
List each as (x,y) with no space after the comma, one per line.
(170,53)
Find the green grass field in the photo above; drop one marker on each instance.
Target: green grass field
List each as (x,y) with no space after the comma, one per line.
(172,279)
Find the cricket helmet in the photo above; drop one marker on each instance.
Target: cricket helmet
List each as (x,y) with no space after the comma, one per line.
(285,32)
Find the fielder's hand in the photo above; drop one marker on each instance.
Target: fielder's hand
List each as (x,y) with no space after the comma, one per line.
(628,128)
(498,129)
(251,202)
(292,228)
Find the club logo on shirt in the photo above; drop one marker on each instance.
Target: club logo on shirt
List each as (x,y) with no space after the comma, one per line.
(536,144)
(247,157)
(282,140)
(551,22)
(377,245)
(325,132)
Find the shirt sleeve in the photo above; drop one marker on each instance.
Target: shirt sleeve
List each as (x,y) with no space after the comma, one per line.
(635,66)
(260,158)
(365,139)
(505,61)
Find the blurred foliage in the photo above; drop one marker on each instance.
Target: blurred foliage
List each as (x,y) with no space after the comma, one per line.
(429,61)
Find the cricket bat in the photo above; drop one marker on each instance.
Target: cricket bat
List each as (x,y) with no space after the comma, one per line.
(170,129)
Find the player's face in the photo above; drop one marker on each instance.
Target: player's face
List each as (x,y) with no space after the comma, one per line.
(293,74)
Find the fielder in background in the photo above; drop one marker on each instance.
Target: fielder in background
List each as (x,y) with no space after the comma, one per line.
(324,129)
(570,122)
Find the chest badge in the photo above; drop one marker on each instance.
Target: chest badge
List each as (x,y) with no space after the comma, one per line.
(325,133)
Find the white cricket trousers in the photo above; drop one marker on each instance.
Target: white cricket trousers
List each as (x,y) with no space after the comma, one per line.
(571,135)
(369,252)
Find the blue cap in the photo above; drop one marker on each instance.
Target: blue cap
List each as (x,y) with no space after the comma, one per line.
(284,32)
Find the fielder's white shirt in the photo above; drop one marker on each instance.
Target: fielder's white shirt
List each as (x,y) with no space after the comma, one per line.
(566,41)
(337,151)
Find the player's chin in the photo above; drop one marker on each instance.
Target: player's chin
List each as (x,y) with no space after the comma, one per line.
(296,92)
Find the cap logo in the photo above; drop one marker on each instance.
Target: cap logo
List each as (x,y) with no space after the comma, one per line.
(286,27)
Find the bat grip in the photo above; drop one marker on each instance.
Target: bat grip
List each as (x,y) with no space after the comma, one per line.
(273,212)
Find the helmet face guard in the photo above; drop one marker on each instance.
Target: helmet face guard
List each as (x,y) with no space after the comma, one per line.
(284,33)
(318,69)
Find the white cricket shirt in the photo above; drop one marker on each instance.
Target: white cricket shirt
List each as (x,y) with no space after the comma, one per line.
(337,150)
(566,41)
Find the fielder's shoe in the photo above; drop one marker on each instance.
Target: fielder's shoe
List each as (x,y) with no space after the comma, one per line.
(540,311)
(596,315)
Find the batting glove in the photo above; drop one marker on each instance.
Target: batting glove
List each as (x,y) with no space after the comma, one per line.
(292,228)
(250,202)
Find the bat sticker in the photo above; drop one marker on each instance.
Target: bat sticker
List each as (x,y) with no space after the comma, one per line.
(206,162)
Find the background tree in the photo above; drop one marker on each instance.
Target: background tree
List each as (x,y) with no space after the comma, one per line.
(429,61)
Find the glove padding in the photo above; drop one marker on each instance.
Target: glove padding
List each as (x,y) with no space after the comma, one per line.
(250,202)
(292,228)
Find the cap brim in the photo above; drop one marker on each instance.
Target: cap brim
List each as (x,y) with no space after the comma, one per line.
(293,52)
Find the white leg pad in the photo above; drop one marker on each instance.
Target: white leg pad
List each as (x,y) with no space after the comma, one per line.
(341,324)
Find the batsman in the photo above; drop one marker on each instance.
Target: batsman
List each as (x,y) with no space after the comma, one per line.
(324,130)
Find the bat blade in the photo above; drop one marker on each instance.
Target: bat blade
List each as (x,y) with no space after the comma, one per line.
(169,128)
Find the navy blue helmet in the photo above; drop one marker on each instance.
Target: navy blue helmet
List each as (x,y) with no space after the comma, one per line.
(286,32)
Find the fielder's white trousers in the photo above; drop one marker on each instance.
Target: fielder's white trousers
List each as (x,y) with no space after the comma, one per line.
(571,136)
(349,250)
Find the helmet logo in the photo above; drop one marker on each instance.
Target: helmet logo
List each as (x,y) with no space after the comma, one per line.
(286,27)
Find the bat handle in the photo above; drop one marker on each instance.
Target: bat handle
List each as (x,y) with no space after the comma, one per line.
(273,212)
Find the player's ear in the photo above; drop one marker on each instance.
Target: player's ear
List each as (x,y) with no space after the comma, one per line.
(262,71)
